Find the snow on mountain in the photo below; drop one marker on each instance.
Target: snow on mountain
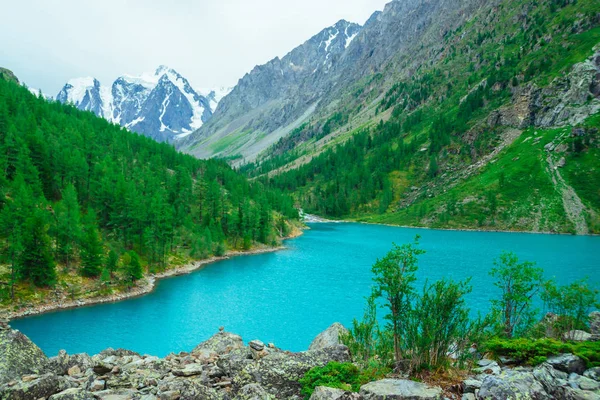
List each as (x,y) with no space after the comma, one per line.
(162,104)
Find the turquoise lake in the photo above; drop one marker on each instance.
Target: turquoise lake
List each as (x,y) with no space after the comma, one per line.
(288,297)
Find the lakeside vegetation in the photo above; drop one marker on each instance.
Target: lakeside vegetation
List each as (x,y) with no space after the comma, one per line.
(87,206)
(430,335)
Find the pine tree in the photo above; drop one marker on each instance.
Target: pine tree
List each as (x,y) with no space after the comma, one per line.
(91,248)
(37,263)
(133,269)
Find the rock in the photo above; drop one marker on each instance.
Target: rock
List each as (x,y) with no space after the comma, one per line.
(577,336)
(189,370)
(561,163)
(468,396)
(390,389)
(593,373)
(4,325)
(74,371)
(253,392)
(595,323)
(29,378)
(568,363)
(549,146)
(278,373)
(19,356)
(550,378)
(470,385)
(568,393)
(257,345)
(170,395)
(586,383)
(231,364)
(191,390)
(512,384)
(491,368)
(43,387)
(73,394)
(221,343)
(329,337)
(327,393)
(97,385)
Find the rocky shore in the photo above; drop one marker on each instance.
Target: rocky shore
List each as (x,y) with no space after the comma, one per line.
(224,368)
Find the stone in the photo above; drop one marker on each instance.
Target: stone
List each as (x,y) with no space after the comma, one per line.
(257,345)
(593,373)
(189,370)
(74,371)
(491,368)
(568,363)
(29,378)
(73,394)
(170,395)
(253,392)
(278,373)
(595,323)
(221,343)
(19,356)
(42,387)
(468,396)
(97,385)
(391,389)
(327,393)
(568,393)
(549,377)
(191,390)
(577,336)
(512,384)
(329,337)
(470,385)
(561,163)
(586,383)
(4,324)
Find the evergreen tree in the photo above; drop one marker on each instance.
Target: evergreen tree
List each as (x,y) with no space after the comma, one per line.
(91,248)
(133,269)
(37,264)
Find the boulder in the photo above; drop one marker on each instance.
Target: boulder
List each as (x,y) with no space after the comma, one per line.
(190,390)
(278,373)
(18,356)
(512,385)
(61,363)
(550,378)
(257,345)
(42,387)
(329,337)
(593,373)
(73,394)
(401,389)
(568,363)
(253,392)
(221,343)
(327,393)
(586,383)
(595,323)
(470,385)
(577,336)
(569,393)
(233,362)
(189,370)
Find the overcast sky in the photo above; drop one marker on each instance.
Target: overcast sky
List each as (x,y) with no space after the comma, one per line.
(211,42)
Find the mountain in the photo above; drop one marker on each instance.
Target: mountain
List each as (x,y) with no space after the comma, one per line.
(162,105)
(478,114)
(273,98)
(8,75)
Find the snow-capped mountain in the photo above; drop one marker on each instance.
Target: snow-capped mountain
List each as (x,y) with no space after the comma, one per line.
(162,105)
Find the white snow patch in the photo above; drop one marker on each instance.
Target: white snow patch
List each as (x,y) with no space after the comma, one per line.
(349,39)
(165,104)
(134,122)
(189,93)
(79,87)
(331,39)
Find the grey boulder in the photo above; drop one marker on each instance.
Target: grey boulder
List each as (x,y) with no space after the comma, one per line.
(329,337)
(18,356)
(401,389)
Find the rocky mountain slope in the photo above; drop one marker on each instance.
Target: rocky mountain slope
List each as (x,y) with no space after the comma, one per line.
(438,113)
(162,105)
(273,98)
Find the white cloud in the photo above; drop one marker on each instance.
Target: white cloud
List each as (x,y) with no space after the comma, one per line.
(212,43)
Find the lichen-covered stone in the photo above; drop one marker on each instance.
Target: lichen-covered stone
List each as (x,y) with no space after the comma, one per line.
(568,363)
(19,356)
(253,391)
(327,393)
(73,394)
(512,385)
(42,387)
(329,337)
(221,343)
(278,373)
(399,389)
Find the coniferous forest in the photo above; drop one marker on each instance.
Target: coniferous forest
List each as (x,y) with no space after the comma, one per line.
(83,196)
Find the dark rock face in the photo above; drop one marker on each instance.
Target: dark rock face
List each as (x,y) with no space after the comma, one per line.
(568,363)
(18,356)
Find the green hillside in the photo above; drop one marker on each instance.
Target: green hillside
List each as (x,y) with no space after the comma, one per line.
(86,202)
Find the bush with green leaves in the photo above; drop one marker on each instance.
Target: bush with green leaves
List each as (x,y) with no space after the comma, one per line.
(519,283)
(346,376)
(571,303)
(536,351)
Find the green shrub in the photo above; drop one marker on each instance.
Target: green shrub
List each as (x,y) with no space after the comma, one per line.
(534,352)
(345,376)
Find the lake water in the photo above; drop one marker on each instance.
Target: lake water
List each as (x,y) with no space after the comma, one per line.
(288,297)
